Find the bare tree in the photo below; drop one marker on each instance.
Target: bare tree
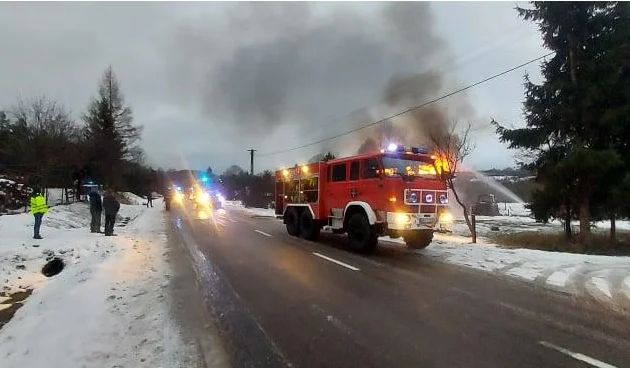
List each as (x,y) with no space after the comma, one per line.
(46,139)
(233,170)
(452,145)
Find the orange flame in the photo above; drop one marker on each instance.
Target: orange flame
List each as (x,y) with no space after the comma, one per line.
(441,163)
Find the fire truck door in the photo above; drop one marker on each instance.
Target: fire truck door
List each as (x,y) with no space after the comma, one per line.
(371,189)
(355,187)
(337,194)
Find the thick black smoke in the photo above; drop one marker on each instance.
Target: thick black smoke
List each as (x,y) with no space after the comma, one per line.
(270,65)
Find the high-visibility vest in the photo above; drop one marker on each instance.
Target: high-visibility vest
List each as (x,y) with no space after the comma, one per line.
(38,204)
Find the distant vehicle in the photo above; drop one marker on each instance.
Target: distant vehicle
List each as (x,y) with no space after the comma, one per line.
(399,191)
(486,206)
(172,195)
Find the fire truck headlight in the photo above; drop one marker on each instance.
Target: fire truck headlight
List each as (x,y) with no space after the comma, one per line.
(392,147)
(402,218)
(205,197)
(413,198)
(446,218)
(443,199)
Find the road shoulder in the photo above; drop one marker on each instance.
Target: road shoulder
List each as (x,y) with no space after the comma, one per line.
(188,309)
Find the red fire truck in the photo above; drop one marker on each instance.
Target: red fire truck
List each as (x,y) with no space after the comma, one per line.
(399,191)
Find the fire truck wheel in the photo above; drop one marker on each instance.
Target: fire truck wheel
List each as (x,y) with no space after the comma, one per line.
(293,222)
(419,239)
(362,238)
(308,227)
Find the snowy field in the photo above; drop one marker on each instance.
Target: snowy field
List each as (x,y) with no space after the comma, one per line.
(606,278)
(109,307)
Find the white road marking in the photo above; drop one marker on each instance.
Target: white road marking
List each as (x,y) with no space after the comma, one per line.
(573,329)
(262,232)
(336,261)
(332,319)
(220,223)
(229,219)
(578,356)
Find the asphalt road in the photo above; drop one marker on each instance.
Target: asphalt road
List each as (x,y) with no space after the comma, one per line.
(283,301)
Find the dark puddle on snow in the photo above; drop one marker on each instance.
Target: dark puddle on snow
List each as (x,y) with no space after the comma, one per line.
(10,306)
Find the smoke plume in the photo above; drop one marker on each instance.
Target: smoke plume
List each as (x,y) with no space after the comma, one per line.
(265,66)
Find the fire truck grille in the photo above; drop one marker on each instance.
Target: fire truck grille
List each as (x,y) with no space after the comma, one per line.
(427,209)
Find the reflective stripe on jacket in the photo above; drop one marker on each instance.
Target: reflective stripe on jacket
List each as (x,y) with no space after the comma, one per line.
(38,204)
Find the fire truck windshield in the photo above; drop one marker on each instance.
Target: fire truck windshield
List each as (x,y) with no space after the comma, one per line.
(394,166)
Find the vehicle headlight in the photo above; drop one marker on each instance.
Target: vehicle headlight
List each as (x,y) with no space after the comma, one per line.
(205,196)
(221,212)
(446,218)
(178,197)
(402,218)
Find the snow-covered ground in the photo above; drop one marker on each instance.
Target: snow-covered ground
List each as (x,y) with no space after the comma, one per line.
(258,212)
(578,274)
(108,307)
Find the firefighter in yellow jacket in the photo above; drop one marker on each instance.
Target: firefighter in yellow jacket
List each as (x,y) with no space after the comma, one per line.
(38,209)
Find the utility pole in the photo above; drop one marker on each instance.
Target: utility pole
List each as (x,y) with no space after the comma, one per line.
(251,157)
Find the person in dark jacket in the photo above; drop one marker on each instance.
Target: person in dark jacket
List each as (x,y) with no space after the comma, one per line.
(111,207)
(96,209)
(149,198)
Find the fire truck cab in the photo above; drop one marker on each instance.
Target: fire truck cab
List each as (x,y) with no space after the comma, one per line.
(399,191)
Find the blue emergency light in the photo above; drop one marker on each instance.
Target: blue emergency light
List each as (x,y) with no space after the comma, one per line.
(393,147)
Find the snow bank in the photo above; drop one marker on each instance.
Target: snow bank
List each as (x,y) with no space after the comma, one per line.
(109,307)
(133,199)
(75,244)
(572,273)
(491,257)
(259,212)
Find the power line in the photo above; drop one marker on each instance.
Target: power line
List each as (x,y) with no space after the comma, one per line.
(409,109)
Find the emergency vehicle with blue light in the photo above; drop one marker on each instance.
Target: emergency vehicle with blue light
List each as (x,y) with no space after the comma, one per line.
(399,192)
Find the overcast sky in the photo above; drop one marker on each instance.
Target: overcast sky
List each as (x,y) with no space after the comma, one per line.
(210,80)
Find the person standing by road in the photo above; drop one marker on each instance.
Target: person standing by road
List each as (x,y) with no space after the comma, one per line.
(149,198)
(96,210)
(38,209)
(111,207)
